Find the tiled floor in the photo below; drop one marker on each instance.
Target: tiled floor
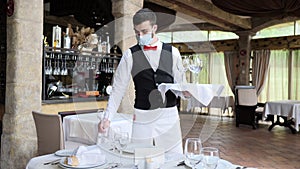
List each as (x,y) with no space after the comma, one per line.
(278,149)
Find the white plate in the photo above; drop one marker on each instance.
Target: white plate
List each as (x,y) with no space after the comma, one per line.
(222,164)
(63,165)
(131,146)
(64,153)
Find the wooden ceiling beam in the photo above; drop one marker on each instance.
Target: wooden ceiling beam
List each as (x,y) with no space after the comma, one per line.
(192,27)
(207,12)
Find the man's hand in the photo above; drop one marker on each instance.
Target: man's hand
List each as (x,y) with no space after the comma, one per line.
(103,125)
(186,94)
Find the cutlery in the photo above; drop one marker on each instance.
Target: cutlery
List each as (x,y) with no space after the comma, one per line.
(53,162)
(183,163)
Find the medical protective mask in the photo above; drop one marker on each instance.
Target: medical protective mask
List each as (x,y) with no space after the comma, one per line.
(146,39)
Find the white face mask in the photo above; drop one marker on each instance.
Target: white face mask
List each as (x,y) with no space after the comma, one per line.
(146,39)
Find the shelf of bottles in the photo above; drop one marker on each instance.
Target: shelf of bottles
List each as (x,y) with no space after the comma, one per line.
(72,73)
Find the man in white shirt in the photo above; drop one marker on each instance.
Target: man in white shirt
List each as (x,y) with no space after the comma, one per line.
(149,63)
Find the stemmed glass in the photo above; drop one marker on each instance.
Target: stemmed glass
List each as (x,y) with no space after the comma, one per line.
(195,67)
(210,157)
(186,65)
(102,137)
(192,151)
(122,140)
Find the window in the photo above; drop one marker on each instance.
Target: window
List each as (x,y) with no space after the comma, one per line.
(220,35)
(195,36)
(285,29)
(165,37)
(283,77)
(189,36)
(213,71)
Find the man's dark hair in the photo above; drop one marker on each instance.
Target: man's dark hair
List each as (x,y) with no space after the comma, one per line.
(143,15)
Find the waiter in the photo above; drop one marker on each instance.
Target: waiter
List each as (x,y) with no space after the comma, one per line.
(149,63)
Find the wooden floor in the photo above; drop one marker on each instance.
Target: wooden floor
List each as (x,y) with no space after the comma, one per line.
(260,148)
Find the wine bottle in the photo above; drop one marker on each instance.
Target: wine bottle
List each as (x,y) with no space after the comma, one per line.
(67,40)
(108,44)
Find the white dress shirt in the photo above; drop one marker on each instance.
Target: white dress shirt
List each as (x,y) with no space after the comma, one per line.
(123,74)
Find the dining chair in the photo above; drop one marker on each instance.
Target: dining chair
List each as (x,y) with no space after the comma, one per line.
(49,132)
(247,109)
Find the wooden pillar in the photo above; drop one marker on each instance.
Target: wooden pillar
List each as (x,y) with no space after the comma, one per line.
(123,11)
(23,83)
(244,52)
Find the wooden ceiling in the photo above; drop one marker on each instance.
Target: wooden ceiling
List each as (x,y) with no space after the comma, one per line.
(201,14)
(214,18)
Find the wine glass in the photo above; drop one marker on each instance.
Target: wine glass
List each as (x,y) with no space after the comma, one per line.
(210,157)
(185,64)
(192,151)
(195,66)
(103,138)
(122,140)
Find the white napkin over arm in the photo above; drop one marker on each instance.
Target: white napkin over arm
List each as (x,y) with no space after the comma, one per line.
(203,93)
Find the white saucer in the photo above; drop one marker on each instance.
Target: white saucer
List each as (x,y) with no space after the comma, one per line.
(63,165)
(64,153)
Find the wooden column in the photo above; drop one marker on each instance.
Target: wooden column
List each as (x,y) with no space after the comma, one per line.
(23,83)
(244,51)
(123,10)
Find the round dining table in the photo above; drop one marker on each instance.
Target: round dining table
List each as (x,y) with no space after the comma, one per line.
(171,161)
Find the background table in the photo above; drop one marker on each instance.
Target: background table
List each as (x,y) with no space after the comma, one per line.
(83,128)
(221,102)
(286,108)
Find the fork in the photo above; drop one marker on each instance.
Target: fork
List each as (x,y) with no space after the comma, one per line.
(53,162)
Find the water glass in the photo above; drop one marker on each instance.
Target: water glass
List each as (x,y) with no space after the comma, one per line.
(186,65)
(210,157)
(195,67)
(122,140)
(192,150)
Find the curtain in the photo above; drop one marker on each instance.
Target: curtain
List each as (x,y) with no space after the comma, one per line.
(217,73)
(231,71)
(295,76)
(276,86)
(260,67)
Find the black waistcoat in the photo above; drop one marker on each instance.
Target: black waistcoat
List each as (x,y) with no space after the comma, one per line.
(146,79)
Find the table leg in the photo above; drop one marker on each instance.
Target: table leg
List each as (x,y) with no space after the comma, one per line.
(273,122)
(286,123)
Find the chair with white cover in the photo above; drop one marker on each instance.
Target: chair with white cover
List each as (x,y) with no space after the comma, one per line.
(247,109)
(49,132)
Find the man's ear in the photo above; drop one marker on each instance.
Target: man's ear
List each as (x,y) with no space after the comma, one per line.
(154,28)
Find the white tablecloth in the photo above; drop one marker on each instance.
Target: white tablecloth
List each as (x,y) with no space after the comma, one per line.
(221,102)
(287,108)
(83,128)
(171,161)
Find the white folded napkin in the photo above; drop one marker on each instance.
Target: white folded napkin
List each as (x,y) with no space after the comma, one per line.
(89,155)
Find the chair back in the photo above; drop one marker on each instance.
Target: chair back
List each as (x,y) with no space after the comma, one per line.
(247,97)
(49,132)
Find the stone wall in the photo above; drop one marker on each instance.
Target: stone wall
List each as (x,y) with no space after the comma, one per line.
(23,83)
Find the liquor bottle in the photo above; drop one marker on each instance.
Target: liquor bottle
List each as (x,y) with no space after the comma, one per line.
(108,44)
(56,36)
(104,46)
(67,40)
(100,45)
